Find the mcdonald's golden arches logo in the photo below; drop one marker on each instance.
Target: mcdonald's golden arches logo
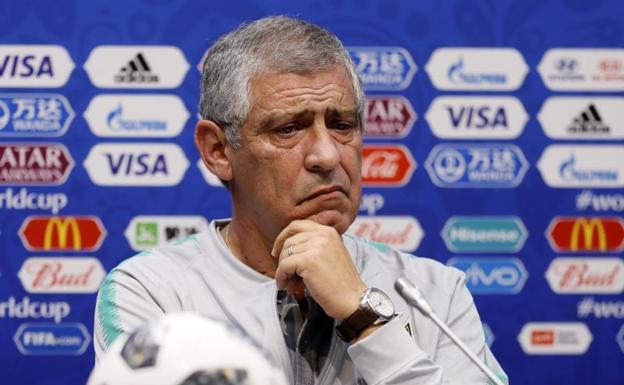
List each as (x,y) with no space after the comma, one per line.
(62,233)
(586,234)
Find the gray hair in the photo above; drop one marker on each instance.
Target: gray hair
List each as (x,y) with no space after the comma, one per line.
(274,44)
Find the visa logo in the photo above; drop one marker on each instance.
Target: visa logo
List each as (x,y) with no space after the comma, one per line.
(25,66)
(492,275)
(481,117)
(137,164)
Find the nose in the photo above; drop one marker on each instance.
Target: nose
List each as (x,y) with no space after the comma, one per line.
(322,150)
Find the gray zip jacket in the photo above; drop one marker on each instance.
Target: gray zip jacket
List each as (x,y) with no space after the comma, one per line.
(201,275)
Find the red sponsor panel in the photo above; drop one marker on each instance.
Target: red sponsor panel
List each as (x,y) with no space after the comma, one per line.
(62,233)
(542,337)
(586,234)
(388,116)
(34,163)
(386,165)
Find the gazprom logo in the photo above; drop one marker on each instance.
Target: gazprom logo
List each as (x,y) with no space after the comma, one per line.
(136,116)
(492,275)
(489,234)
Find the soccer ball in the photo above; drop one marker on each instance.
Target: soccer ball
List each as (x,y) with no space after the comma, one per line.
(185,349)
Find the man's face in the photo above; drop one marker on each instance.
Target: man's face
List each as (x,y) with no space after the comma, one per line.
(300,152)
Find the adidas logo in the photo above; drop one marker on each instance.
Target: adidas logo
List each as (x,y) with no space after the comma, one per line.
(136,71)
(589,122)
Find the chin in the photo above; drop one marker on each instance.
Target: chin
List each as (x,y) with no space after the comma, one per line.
(337,220)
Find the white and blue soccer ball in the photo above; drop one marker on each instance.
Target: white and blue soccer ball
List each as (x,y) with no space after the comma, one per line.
(185,349)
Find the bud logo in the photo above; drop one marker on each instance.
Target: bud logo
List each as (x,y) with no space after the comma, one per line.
(476,117)
(388,116)
(555,338)
(135,116)
(581,166)
(113,66)
(583,118)
(586,275)
(34,66)
(34,163)
(62,233)
(136,164)
(492,275)
(401,232)
(490,234)
(34,309)
(34,115)
(383,68)
(61,275)
(52,339)
(146,231)
(586,234)
(475,165)
(485,69)
(386,165)
(584,69)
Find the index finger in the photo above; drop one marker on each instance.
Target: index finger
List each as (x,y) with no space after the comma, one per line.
(294,227)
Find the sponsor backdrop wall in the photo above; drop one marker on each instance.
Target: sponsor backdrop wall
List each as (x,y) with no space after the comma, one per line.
(494,144)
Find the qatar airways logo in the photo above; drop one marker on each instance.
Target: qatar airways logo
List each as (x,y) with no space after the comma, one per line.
(401,232)
(386,165)
(586,275)
(61,275)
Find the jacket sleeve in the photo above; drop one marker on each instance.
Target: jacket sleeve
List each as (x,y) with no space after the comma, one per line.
(123,304)
(388,357)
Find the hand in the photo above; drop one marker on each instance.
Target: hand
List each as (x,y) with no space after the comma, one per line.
(321,261)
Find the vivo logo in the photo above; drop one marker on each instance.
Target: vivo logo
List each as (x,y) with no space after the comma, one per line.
(492,275)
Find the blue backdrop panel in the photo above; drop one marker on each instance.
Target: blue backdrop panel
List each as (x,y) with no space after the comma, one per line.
(494,144)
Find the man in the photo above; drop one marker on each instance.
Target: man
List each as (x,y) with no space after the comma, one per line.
(282,109)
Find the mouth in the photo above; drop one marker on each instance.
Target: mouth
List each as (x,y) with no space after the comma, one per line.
(329,192)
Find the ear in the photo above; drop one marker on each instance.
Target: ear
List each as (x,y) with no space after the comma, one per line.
(211,144)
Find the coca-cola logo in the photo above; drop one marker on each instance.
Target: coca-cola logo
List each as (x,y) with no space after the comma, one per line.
(386,165)
(586,275)
(401,232)
(61,275)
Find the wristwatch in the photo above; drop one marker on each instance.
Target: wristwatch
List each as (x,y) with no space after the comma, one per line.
(375,308)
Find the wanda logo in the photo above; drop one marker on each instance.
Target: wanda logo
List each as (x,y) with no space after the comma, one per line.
(386,165)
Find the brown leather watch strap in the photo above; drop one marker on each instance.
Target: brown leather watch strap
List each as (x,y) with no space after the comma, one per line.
(352,326)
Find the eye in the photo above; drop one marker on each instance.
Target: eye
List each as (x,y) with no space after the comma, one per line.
(286,130)
(343,126)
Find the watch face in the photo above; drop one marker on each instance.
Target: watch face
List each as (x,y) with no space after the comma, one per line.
(381,303)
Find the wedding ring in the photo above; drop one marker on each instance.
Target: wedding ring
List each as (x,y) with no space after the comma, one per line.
(290,251)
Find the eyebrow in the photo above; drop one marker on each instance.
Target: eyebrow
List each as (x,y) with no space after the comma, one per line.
(332,113)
